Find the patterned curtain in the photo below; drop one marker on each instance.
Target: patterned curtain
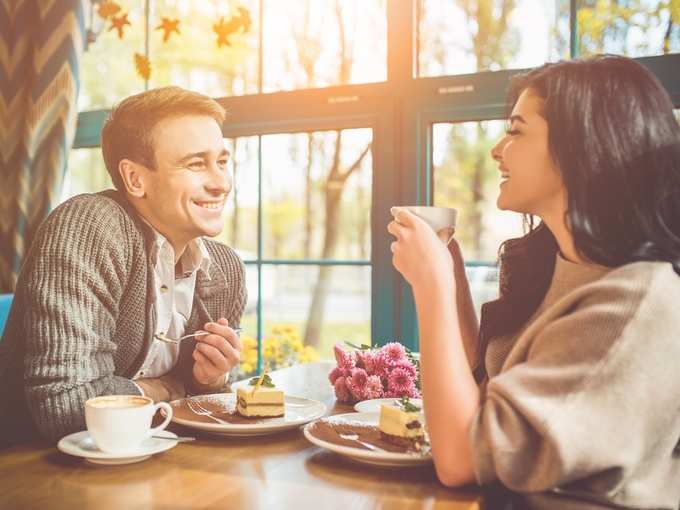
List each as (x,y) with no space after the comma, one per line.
(41,44)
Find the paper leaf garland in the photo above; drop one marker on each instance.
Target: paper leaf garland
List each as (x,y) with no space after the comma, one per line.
(143,66)
(107,9)
(168,26)
(118,22)
(240,22)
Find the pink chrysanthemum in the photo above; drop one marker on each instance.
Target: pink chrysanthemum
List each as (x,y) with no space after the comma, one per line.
(408,366)
(345,360)
(342,393)
(393,353)
(400,383)
(357,383)
(374,387)
(335,374)
(366,359)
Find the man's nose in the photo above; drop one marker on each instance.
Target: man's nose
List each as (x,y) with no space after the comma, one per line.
(220,180)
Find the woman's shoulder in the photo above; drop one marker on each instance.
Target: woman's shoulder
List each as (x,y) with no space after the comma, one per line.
(635,285)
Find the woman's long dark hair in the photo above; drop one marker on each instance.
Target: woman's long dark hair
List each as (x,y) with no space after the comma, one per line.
(616,143)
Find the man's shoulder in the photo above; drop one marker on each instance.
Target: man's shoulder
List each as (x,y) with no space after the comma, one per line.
(224,254)
(99,207)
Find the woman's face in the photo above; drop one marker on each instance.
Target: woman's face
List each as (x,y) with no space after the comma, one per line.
(530,181)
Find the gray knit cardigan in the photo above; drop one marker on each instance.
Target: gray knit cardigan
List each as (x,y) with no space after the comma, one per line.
(83,315)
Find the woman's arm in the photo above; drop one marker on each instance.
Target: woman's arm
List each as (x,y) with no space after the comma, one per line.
(467,318)
(450,393)
(449,390)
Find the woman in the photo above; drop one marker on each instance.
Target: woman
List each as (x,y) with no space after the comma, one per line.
(578,357)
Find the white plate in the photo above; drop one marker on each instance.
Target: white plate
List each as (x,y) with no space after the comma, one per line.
(80,444)
(373,406)
(298,411)
(361,454)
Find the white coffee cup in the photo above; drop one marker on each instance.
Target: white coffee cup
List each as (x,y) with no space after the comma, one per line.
(440,219)
(120,423)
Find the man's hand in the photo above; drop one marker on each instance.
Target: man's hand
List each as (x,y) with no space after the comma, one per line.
(216,353)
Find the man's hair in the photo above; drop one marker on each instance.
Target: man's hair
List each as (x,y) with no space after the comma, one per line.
(128,131)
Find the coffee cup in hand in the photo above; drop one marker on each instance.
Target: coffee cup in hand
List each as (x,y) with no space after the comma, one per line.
(441,219)
(121,423)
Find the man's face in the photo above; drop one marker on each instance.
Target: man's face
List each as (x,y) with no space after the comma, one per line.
(186,192)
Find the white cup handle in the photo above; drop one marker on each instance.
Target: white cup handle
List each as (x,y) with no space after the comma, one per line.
(168,417)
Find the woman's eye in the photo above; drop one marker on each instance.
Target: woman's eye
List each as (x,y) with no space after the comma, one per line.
(512,132)
(196,165)
(222,163)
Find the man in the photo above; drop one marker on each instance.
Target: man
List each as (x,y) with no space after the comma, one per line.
(107,272)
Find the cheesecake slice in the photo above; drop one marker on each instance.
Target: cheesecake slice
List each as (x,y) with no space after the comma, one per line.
(260,400)
(401,424)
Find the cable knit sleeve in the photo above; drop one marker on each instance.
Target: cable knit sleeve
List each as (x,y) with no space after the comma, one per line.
(74,279)
(590,389)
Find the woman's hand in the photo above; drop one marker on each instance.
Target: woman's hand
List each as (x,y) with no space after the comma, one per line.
(418,253)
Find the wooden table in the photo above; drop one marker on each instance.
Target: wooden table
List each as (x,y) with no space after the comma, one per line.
(277,471)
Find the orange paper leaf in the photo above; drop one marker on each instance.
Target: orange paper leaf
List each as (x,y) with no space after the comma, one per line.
(168,26)
(143,66)
(118,22)
(107,9)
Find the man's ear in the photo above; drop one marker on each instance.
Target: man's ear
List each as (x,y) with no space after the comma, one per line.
(133,176)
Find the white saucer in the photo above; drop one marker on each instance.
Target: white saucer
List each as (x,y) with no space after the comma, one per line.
(378,458)
(373,406)
(80,444)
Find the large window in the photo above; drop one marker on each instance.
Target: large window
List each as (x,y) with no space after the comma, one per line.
(339,109)
(461,37)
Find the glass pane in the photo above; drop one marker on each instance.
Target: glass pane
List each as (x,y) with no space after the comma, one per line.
(192,58)
(86,173)
(318,306)
(467,178)
(107,72)
(316,205)
(240,231)
(634,28)
(463,37)
(248,363)
(677,114)
(308,43)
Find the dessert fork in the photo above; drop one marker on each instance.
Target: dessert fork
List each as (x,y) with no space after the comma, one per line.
(355,437)
(164,338)
(197,408)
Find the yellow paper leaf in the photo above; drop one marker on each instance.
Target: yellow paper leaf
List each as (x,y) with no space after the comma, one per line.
(143,66)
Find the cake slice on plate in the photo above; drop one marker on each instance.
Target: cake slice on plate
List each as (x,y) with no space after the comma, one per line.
(401,423)
(260,399)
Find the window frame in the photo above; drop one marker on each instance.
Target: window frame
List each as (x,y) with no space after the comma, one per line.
(401,112)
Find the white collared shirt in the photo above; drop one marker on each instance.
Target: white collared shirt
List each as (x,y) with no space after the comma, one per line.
(174,300)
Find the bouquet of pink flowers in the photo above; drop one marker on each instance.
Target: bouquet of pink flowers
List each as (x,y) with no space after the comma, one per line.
(365,373)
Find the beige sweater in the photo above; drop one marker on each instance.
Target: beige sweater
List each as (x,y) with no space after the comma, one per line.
(585,400)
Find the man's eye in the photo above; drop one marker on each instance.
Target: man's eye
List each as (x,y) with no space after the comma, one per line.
(196,165)
(223,163)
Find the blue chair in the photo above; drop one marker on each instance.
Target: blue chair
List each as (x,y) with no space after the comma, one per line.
(5,305)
